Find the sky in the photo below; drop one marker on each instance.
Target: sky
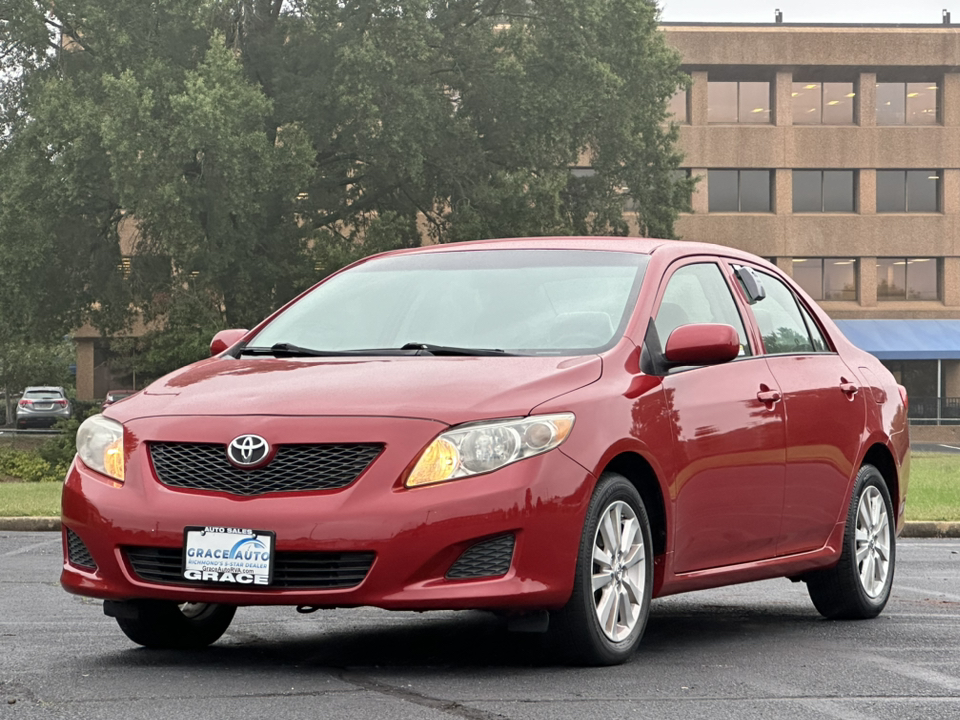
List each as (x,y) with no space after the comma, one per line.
(810,11)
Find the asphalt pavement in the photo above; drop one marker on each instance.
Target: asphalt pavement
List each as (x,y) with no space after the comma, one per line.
(935,448)
(746,652)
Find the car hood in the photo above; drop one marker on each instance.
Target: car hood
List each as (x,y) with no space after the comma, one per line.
(448,389)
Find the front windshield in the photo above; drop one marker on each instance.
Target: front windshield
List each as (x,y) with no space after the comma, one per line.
(519,301)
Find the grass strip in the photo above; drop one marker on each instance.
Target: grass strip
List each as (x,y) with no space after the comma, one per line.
(934,491)
(37,499)
(933,495)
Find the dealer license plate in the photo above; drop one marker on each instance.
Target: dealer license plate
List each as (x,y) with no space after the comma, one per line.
(234,556)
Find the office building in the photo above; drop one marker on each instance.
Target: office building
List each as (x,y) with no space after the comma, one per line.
(834,152)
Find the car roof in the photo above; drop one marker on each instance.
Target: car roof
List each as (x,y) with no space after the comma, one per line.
(622,244)
(644,246)
(43,388)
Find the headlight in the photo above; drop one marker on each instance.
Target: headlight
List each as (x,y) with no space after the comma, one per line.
(484,447)
(100,446)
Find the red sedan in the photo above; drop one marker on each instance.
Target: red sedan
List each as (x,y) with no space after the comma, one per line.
(559,429)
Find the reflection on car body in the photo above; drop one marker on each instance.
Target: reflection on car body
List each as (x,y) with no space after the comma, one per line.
(113,396)
(561,426)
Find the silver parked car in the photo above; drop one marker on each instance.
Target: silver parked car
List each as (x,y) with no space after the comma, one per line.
(43,406)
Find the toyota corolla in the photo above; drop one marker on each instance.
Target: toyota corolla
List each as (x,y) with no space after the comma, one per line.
(557,429)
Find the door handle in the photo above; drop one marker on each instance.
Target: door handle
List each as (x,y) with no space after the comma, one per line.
(848,388)
(769,396)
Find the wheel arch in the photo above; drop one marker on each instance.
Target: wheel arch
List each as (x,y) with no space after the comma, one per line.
(635,468)
(880,456)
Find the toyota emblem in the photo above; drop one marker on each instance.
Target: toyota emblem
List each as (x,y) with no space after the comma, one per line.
(248,450)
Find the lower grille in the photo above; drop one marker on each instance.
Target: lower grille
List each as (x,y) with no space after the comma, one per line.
(489,558)
(77,552)
(318,570)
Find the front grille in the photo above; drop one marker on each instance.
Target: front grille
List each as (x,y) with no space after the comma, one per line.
(489,558)
(294,468)
(77,552)
(318,570)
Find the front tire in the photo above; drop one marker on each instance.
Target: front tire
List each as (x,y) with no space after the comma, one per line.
(169,625)
(858,587)
(605,617)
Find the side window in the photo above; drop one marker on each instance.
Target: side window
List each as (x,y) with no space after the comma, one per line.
(819,341)
(698,294)
(782,327)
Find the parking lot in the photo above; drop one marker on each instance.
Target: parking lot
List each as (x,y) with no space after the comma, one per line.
(750,651)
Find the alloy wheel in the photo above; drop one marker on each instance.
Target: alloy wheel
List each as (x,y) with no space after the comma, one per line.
(619,576)
(873,542)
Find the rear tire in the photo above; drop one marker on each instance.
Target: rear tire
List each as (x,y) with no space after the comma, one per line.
(169,625)
(604,619)
(858,587)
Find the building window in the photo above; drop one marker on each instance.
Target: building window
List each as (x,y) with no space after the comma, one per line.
(677,107)
(914,191)
(823,103)
(738,102)
(739,190)
(907,279)
(819,191)
(907,103)
(827,278)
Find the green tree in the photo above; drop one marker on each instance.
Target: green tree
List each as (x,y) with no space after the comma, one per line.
(183,338)
(260,144)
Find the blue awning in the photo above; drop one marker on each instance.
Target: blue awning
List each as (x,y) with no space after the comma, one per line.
(905,339)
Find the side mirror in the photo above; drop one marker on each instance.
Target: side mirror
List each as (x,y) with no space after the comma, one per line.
(702,344)
(226,339)
(752,287)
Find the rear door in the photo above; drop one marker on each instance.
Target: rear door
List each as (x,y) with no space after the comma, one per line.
(728,426)
(825,415)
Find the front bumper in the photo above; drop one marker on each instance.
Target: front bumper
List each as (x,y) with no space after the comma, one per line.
(417,535)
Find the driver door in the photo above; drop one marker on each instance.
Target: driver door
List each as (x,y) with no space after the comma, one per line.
(728,427)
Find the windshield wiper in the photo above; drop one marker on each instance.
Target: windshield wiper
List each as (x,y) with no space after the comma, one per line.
(448,350)
(291,350)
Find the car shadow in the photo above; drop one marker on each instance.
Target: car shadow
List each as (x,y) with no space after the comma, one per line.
(466,639)
(694,627)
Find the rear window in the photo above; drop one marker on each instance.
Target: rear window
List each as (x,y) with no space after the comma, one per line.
(43,395)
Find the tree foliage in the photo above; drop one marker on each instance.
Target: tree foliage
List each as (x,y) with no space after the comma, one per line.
(255,145)
(184,337)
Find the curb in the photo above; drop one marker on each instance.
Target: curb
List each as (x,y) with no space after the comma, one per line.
(910,529)
(931,530)
(31,524)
